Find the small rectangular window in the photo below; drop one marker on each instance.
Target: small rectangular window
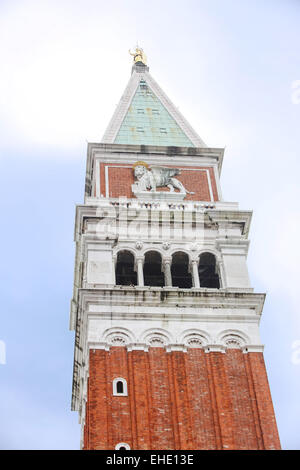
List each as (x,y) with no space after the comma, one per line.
(140,129)
(140,111)
(163,130)
(155,111)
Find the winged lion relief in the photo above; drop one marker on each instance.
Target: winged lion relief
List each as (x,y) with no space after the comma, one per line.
(149,178)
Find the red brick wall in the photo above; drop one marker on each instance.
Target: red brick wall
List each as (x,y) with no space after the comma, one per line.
(120,180)
(177,400)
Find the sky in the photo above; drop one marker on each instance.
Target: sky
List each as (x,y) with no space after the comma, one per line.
(233,69)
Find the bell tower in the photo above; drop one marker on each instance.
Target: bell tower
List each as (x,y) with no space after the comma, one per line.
(167,347)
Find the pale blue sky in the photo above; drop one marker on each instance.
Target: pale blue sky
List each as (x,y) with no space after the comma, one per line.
(232,69)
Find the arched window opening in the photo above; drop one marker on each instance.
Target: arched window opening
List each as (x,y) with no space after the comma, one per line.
(120,387)
(181,277)
(153,276)
(208,271)
(125,274)
(122,446)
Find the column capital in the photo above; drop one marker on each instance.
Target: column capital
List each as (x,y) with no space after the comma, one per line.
(195,261)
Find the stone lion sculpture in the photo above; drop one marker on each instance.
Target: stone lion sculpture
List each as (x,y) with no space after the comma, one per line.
(148,179)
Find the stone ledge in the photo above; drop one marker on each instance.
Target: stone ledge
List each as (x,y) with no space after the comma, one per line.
(158,195)
(173,347)
(172,297)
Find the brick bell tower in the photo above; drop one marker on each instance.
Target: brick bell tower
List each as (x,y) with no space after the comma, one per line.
(167,350)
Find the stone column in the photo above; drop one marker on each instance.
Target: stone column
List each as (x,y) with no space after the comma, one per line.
(167,271)
(140,272)
(195,273)
(114,270)
(221,272)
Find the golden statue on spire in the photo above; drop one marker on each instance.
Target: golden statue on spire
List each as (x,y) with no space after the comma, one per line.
(139,55)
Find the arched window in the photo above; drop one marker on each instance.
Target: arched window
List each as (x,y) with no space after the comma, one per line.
(181,277)
(208,272)
(153,276)
(120,387)
(122,446)
(125,274)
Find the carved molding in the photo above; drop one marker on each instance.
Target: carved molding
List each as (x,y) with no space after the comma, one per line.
(233,339)
(157,340)
(233,342)
(161,338)
(156,337)
(116,339)
(118,336)
(195,341)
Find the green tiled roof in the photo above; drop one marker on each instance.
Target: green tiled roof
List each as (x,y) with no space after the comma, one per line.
(147,122)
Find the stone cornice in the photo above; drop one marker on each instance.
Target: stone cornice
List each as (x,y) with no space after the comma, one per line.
(170,297)
(170,155)
(108,208)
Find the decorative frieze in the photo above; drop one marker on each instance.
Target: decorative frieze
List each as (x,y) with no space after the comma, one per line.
(180,341)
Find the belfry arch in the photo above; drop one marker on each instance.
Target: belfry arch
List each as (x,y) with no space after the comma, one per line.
(125,273)
(153,275)
(208,271)
(181,276)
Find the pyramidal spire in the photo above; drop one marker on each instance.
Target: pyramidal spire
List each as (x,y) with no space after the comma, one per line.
(146,116)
